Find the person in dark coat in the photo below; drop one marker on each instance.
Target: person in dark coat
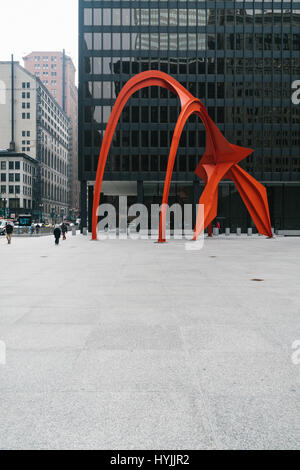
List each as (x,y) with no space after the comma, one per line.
(57,234)
(64,229)
(9,230)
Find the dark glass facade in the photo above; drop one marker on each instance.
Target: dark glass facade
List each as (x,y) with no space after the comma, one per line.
(239,58)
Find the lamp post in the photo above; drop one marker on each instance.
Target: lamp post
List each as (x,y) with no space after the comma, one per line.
(41,212)
(5,202)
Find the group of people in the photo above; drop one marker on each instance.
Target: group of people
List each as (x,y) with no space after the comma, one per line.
(58,231)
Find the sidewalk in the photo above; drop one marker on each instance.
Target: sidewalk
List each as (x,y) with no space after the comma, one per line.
(135,345)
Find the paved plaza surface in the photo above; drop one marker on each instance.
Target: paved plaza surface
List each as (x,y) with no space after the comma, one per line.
(128,344)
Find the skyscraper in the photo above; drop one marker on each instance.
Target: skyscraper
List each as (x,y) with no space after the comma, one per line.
(239,59)
(57,72)
(35,146)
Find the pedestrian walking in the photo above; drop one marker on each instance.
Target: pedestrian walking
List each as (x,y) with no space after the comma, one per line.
(9,230)
(64,229)
(57,234)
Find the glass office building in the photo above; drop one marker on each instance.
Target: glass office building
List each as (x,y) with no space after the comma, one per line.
(239,58)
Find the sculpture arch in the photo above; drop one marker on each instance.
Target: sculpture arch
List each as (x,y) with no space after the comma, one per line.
(218,162)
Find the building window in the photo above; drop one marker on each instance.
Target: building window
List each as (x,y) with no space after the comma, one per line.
(3,189)
(11,190)
(17,166)
(53,74)
(11,177)
(37,58)
(11,165)
(3,165)
(17,189)
(3,177)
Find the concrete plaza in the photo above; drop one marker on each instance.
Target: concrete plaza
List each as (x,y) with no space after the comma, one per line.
(134,345)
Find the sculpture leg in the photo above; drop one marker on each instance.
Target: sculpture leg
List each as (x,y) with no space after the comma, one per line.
(255,199)
(189,109)
(209,197)
(210,229)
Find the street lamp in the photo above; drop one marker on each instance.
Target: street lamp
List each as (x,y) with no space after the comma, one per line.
(41,212)
(5,202)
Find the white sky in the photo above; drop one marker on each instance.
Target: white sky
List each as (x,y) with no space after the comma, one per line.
(28,25)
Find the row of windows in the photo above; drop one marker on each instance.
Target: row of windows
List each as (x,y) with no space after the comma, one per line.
(53,74)
(37,58)
(11,189)
(194,138)
(11,165)
(44,66)
(201,66)
(192,41)
(155,163)
(208,90)
(11,177)
(188,17)
(15,165)
(230,114)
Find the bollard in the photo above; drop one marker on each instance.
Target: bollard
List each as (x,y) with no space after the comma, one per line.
(73,231)
(84,231)
(227,231)
(216,231)
(249,232)
(238,231)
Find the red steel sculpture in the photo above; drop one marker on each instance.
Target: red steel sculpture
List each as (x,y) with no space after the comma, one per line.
(220,159)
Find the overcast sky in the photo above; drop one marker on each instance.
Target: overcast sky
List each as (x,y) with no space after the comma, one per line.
(28,25)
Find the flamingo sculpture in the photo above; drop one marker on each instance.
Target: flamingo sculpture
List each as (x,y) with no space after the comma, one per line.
(220,159)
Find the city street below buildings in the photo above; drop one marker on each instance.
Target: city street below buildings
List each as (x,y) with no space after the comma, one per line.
(123,344)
